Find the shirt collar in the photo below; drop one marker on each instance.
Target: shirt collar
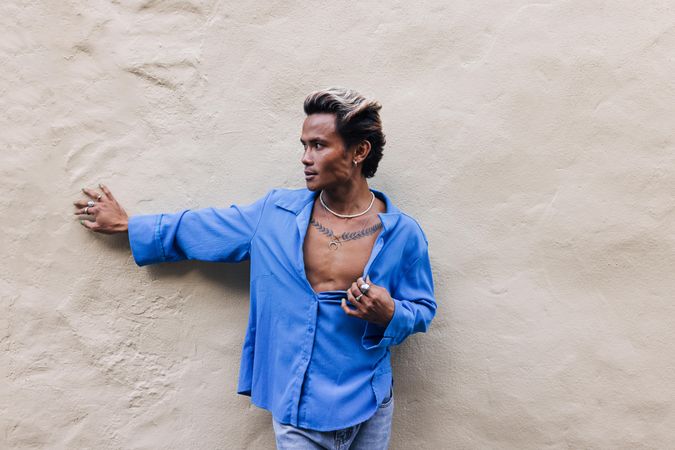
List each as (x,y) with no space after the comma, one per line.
(295,201)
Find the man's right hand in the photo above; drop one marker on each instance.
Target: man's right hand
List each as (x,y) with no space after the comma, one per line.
(108,216)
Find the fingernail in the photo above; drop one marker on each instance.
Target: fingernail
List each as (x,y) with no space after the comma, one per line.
(99,185)
(81,222)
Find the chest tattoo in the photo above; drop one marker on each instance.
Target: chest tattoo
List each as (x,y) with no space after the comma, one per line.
(336,241)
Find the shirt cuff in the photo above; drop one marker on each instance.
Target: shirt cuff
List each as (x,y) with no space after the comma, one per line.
(377,336)
(144,239)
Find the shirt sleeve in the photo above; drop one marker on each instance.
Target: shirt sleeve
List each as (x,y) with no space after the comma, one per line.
(414,307)
(209,234)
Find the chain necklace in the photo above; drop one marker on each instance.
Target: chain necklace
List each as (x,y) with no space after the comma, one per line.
(346,216)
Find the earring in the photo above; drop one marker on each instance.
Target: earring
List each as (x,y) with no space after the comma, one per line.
(355,163)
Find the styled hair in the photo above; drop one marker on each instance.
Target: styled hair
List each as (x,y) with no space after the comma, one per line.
(357,118)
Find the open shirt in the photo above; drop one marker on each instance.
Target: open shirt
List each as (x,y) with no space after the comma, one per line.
(303,358)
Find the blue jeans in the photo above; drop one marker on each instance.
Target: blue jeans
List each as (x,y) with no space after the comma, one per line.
(373,434)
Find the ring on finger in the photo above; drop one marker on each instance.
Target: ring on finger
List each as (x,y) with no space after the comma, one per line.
(90,203)
(86,210)
(358,297)
(365,287)
(98,199)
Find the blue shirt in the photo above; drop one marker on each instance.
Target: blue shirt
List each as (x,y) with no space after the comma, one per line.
(303,358)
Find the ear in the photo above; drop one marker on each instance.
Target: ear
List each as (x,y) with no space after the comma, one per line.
(362,150)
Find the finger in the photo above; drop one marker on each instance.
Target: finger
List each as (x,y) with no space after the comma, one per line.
(80,203)
(347,309)
(88,211)
(106,191)
(355,291)
(89,224)
(360,282)
(365,302)
(90,193)
(353,301)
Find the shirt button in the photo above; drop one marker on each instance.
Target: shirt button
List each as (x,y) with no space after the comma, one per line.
(310,329)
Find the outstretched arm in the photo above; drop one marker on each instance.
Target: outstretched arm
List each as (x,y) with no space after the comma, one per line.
(208,234)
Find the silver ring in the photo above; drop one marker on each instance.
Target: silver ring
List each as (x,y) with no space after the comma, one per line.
(91,203)
(86,210)
(98,199)
(365,287)
(358,297)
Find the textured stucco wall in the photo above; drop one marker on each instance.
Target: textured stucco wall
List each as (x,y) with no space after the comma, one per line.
(533,141)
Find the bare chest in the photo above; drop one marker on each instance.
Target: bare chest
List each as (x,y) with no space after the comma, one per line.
(336,256)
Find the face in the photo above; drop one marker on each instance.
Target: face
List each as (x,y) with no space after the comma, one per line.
(324,157)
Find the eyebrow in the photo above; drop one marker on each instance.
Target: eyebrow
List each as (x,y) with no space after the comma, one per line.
(314,140)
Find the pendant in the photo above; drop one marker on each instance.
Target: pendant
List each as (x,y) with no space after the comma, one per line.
(334,243)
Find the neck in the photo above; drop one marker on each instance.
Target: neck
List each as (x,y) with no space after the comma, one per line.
(349,198)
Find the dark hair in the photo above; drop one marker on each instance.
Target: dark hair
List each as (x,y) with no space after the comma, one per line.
(356,119)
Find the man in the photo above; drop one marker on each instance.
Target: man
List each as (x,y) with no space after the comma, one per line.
(338,275)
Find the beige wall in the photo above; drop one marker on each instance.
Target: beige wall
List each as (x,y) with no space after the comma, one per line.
(533,141)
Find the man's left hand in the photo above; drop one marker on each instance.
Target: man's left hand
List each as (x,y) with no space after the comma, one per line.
(375,305)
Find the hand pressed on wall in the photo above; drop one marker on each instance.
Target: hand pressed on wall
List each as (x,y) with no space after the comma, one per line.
(108,215)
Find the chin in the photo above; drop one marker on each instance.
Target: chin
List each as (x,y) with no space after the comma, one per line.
(313,184)
(312,187)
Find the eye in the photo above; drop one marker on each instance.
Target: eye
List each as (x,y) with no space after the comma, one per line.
(318,145)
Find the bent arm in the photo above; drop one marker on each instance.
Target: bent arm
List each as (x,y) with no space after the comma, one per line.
(414,307)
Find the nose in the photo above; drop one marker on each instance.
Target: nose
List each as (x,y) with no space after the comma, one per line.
(306,160)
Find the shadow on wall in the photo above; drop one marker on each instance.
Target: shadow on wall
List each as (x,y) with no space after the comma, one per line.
(235,277)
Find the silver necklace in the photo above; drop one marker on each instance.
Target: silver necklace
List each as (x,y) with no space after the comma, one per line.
(346,216)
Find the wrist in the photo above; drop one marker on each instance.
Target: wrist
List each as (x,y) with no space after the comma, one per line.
(390,313)
(122,226)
